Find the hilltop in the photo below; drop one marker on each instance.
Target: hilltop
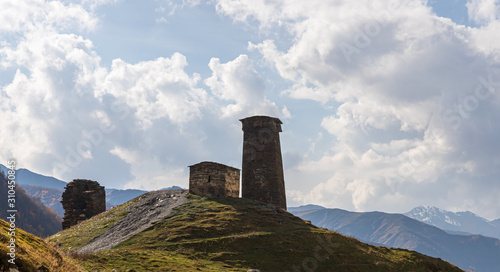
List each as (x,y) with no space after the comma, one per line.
(191,233)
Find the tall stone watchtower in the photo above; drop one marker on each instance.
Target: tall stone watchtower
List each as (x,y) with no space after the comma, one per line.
(262,167)
(81,200)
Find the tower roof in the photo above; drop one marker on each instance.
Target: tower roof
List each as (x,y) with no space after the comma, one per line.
(261,121)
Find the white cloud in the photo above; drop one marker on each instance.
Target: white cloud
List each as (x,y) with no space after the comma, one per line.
(483,11)
(54,78)
(159,180)
(65,113)
(156,89)
(28,15)
(399,73)
(409,100)
(134,125)
(68,113)
(93,4)
(173,5)
(238,81)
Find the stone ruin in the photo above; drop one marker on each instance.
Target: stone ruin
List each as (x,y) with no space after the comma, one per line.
(262,167)
(214,180)
(81,200)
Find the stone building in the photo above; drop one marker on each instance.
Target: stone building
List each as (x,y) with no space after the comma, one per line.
(214,180)
(81,200)
(262,166)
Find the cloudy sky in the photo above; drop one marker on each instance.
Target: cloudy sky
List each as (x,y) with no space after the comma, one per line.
(386,105)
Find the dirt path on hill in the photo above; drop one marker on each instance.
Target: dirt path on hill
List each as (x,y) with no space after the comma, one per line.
(150,208)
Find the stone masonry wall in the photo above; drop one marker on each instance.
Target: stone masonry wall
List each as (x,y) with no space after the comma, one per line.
(81,200)
(214,180)
(262,166)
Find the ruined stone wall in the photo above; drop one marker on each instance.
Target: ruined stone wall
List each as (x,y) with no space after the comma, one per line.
(214,180)
(262,166)
(81,200)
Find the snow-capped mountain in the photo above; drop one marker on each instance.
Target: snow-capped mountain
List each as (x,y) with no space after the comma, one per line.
(459,222)
(469,252)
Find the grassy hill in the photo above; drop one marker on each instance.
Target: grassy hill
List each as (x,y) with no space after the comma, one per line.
(32,254)
(232,235)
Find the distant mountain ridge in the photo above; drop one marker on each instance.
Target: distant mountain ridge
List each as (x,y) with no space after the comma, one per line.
(117,197)
(459,222)
(32,216)
(472,252)
(309,207)
(49,190)
(25,176)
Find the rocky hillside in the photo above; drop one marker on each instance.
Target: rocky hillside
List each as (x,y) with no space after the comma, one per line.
(173,231)
(32,254)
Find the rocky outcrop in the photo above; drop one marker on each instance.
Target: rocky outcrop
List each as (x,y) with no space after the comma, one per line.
(142,214)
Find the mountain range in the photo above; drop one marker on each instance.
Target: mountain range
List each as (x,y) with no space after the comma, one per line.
(456,223)
(31,215)
(469,252)
(48,190)
(25,176)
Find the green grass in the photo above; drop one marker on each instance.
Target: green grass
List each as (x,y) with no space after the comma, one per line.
(85,232)
(148,260)
(239,234)
(32,253)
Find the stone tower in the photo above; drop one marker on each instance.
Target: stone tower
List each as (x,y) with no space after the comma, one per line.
(214,180)
(81,200)
(262,167)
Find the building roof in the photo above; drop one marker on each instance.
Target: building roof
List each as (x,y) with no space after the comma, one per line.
(207,163)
